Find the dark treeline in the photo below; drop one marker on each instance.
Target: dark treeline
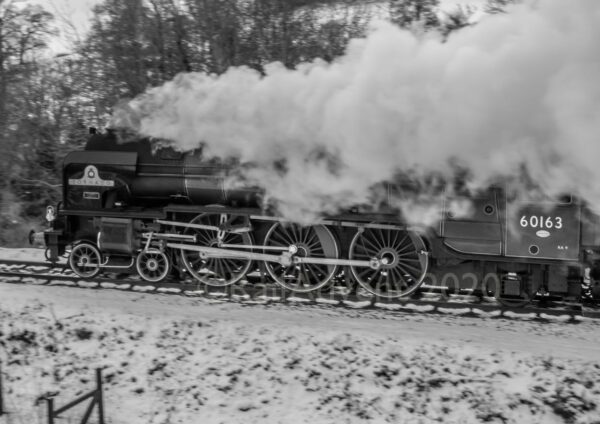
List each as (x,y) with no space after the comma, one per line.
(48,102)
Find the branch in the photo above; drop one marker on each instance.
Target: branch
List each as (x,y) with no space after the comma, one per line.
(41,183)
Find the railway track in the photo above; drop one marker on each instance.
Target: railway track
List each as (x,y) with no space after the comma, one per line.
(256,290)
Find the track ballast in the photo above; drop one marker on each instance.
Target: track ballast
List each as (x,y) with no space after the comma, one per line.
(256,290)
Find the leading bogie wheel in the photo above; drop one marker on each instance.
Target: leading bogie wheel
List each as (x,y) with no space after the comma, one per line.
(211,269)
(152,265)
(402,258)
(85,260)
(315,241)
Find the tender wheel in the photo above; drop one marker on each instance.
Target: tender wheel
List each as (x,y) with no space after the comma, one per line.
(85,260)
(152,265)
(402,259)
(211,270)
(314,242)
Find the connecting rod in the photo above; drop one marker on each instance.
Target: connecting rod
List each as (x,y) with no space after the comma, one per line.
(285,259)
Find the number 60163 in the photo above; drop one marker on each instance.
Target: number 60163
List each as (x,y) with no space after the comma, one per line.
(541,221)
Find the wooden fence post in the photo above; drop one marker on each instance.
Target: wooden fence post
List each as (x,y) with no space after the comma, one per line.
(99,399)
(50,403)
(2,411)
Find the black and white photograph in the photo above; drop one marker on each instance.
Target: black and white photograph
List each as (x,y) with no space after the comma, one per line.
(299,211)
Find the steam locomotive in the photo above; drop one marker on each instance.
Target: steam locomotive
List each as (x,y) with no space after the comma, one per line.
(134,208)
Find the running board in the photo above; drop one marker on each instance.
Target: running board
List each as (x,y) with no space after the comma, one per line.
(246,229)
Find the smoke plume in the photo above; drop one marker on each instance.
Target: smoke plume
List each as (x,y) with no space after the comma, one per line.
(515,97)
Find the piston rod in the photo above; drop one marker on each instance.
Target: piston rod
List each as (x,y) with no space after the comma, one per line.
(215,252)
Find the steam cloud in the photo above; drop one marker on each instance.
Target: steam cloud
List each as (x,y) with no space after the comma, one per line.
(515,97)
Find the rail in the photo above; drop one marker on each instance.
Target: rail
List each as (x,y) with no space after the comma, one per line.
(428,299)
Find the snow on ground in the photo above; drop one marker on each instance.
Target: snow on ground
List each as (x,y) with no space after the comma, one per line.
(177,359)
(25,254)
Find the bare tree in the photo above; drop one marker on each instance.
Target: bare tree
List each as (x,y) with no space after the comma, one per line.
(23,32)
(498,6)
(409,13)
(456,19)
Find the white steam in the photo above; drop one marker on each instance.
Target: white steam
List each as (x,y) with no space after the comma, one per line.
(517,95)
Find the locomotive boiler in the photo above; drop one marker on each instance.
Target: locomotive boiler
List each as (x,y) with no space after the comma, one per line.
(136,208)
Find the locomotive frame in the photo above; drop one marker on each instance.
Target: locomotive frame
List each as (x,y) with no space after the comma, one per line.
(158,213)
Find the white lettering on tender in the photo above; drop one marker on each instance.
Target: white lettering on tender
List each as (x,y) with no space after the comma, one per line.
(541,221)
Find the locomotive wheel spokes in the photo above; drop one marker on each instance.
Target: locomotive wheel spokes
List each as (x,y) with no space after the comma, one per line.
(310,242)
(152,265)
(213,270)
(85,260)
(402,257)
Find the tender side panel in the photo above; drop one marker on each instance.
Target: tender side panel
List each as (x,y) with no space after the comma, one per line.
(543,230)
